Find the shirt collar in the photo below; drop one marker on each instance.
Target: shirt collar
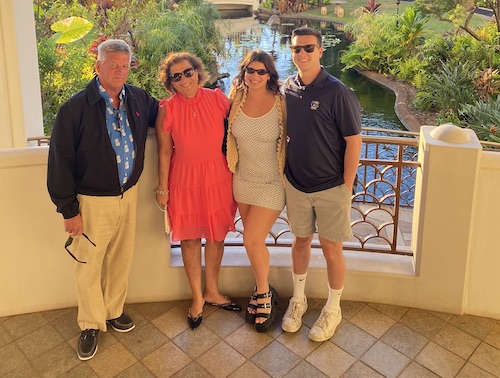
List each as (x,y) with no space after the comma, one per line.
(320,80)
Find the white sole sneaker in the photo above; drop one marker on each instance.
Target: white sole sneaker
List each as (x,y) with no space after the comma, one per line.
(325,326)
(292,320)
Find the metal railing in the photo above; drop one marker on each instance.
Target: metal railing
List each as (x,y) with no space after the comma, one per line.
(383,197)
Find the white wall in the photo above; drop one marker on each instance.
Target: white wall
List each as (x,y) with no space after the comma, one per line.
(36,272)
(20,100)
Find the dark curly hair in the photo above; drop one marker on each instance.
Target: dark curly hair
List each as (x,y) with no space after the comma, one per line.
(273,84)
(177,57)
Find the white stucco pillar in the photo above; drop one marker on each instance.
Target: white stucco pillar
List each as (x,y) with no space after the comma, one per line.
(446,183)
(20,101)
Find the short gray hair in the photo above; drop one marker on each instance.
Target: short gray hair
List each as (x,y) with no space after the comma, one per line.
(113,45)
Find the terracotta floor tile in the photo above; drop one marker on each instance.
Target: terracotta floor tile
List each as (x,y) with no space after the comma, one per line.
(439,360)
(211,360)
(248,369)
(330,359)
(12,358)
(456,341)
(305,369)
(196,342)
(415,370)
(487,358)
(20,325)
(247,341)
(404,340)
(166,360)
(144,340)
(474,325)
(422,322)
(385,360)
(372,321)
(359,369)
(353,339)
(373,340)
(39,341)
(112,361)
(472,371)
(276,360)
(193,370)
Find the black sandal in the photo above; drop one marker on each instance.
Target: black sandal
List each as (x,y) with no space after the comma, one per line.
(250,316)
(272,316)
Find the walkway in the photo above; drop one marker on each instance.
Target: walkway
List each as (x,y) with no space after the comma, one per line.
(372,341)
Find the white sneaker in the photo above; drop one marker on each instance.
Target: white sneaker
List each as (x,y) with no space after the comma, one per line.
(292,320)
(325,326)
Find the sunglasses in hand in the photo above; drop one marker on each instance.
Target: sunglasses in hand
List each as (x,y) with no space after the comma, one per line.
(68,243)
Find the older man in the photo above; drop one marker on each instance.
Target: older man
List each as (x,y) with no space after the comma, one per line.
(95,159)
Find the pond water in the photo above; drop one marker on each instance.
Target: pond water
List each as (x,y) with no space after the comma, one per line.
(245,34)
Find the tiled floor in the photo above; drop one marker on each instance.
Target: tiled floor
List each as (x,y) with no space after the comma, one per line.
(372,341)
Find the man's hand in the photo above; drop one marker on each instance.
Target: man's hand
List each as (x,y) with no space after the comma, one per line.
(74,225)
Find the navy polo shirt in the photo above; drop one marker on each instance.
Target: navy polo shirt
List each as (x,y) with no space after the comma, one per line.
(319,116)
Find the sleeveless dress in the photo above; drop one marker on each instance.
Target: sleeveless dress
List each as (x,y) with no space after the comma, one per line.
(257,180)
(201,203)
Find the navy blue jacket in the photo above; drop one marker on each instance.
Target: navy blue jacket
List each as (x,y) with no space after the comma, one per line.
(81,157)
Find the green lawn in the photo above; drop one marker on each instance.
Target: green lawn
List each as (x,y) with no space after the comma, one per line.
(389,7)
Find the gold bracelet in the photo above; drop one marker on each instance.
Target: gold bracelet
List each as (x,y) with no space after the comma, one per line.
(161,192)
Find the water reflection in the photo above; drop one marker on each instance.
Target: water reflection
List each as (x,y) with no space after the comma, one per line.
(245,34)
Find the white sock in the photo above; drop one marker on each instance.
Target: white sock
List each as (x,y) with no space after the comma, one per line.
(299,285)
(333,302)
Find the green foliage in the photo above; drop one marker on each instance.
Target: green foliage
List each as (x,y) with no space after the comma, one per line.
(71,29)
(483,118)
(268,4)
(449,90)
(387,43)
(152,28)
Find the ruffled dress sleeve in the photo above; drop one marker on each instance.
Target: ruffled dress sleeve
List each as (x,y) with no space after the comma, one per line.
(169,113)
(222,101)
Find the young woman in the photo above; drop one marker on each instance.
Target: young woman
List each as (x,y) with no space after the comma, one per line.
(256,156)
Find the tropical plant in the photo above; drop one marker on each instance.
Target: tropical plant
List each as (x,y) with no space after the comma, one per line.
(371,7)
(152,28)
(449,90)
(483,118)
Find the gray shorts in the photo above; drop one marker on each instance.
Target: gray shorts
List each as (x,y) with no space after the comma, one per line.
(328,210)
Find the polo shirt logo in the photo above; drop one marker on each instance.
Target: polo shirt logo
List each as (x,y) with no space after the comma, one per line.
(314,105)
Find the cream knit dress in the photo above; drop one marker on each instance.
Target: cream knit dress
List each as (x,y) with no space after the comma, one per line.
(257,180)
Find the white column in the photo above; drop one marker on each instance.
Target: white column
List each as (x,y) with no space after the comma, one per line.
(444,198)
(20,100)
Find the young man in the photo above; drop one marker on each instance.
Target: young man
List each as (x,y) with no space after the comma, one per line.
(95,159)
(324,125)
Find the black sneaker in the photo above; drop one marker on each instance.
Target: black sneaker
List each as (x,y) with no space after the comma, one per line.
(87,344)
(122,324)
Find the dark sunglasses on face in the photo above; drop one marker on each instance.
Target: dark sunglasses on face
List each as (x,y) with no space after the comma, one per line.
(68,243)
(261,72)
(188,72)
(307,48)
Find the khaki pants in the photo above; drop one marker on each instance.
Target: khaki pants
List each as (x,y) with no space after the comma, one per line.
(102,282)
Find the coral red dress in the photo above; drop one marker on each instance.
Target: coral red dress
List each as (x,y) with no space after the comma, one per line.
(201,203)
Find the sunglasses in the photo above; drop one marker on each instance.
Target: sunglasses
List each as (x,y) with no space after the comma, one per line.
(68,243)
(188,72)
(261,72)
(307,48)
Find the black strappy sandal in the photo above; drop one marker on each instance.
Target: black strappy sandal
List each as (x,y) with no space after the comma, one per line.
(272,316)
(249,316)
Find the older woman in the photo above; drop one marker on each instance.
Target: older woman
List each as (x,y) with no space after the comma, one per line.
(193,175)
(256,155)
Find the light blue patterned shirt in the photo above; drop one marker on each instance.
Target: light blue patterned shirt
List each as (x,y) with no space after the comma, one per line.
(120,134)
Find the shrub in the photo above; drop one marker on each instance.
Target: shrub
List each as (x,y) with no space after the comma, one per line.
(483,118)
